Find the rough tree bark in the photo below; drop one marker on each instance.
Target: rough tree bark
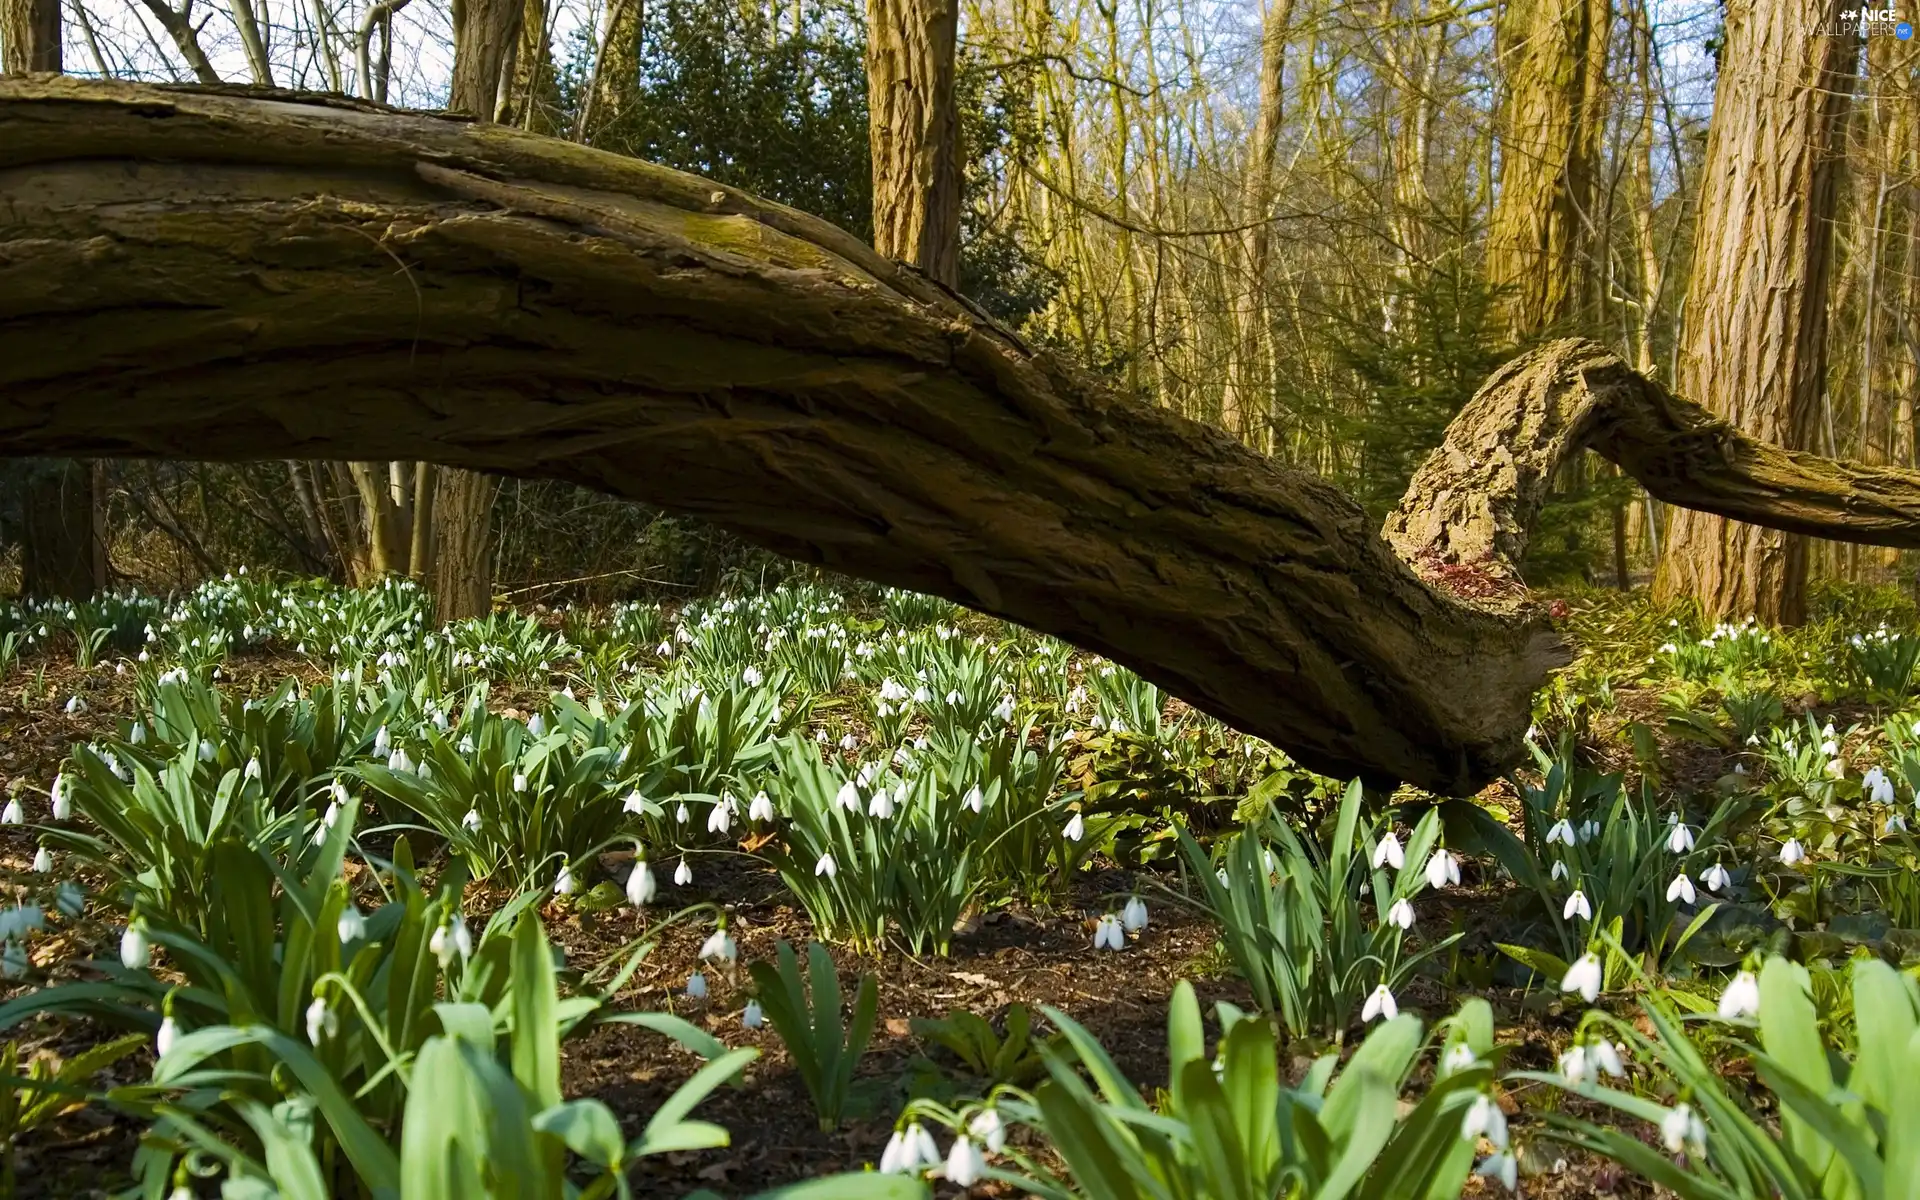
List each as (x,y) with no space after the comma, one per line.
(915,133)
(29,36)
(1249,375)
(1555,56)
(176,266)
(1756,313)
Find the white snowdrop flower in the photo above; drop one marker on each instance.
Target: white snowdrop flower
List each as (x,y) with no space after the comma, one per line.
(399,763)
(62,797)
(682,814)
(1400,915)
(752,678)
(720,819)
(987,1128)
(1837,769)
(965,1163)
(207,750)
(761,807)
(897,1149)
(848,741)
(1682,1130)
(682,874)
(1117,725)
(1562,831)
(1715,877)
(165,1039)
(720,947)
(537,724)
(1134,915)
(563,883)
(252,769)
(1379,1004)
(352,925)
(640,884)
(753,1017)
(471,822)
(826,866)
(451,938)
(519,781)
(1741,1000)
(1606,1056)
(925,1151)
(881,807)
(1577,906)
(848,797)
(321,1021)
(1004,710)
(974,799)
(1578,1068)
(1076,828)
(1583,977)
(696,986)
(1442,869)
(633,803)
(1108,934)
(1896,824)
(1502,1167)
(138,736)
(466,744)
(1388,853)
(135,951)
(1484,1119)
(1879,788)
(1559,870)
(1589,830)
(1793,852)
(75,706)
(43,861)
(954,697)
(382,743)
(921,695)
(1680,840)
(1458,1057)
(1680,889)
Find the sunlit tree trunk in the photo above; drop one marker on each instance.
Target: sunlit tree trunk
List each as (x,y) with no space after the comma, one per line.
(616,68)
(1554,53)
(1756,312)
(1249,376)
(29,36)
(915,133)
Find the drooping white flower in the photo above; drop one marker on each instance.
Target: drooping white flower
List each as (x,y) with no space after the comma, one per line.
(1680,889)
(1484,1119)
(1741,1000)
(1606,1056)
(352,925)
(563,883)
(75,706)
(925,1151)
(1715,877)
(471,822)
(1458,1057)
(1879,788)
(720,819)
(520,781)
(1134,915)
(696,986)
(682,874)
(1792,853)
(1680,840)
(1503,1167)
(1004,710)
(382,743)
(537,725)
(826,866)
(848,741)
(1682,1130)
(321,1021)
(896,1150)
(720,947)
(1400,915)
(760,808)
(1108,934)
(165,1039)
(974,799)
(965,1163)
(11,815)
(1076,828)
(43,861)
(399,763)
(63,797)
(881,807)
(1589,829)
(634,803)
(1577,1067)
(989,1130)
(1577,905)
(1388,853)
(1896,824)
(641,885)
(1559,869)
(1562,831)
(1380,1003)
(135,951)
(848,797)
(1583,977)
(1443,869)
(753,1017)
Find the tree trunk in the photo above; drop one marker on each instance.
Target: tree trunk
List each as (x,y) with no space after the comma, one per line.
(29,36)
(58,541)
(616,69)
(1756,313)
(915,133)
(212,276)
(1555,55)
(1249,382)
(484,32)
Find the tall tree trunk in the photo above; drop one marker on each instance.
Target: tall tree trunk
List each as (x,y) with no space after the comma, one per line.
(1756,312)
(1249,378)
(1555,54)
(914,127)
(29,36)
(616,69)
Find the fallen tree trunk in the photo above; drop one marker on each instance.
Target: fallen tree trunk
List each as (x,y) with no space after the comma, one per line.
(227,274)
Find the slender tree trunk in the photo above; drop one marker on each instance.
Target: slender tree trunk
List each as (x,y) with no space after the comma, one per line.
(1756,313)
(915,133)
(1554,53)
(1249,379)
(29,36)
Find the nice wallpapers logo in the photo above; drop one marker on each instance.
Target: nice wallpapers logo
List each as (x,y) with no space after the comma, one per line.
(1876,22)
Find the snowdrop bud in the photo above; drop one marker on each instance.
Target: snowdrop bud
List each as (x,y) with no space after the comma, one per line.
(761,808)
(1076,828)
(1400,915)
(826,866)
(1559,870)
(696,986)
(43,861)
(1388,852)
(135,951)
(1680,889)
(1577,906)
(965,1163)
(563,883)
(1134,916)
(1741,1000)
(1792,853)
(1442,869)
(754,1017)
(1380,1004)
(165,1039)
(352,925)
(537,726)
(519,781)
(640,884)
(974,799)
(1583,977)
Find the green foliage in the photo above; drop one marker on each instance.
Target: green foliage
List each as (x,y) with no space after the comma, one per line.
(984,1052)
(50,1087)
(825,1046)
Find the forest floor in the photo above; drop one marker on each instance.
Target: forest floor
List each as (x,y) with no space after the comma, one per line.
(1016,954)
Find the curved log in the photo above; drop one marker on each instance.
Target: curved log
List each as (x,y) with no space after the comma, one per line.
(226,273)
